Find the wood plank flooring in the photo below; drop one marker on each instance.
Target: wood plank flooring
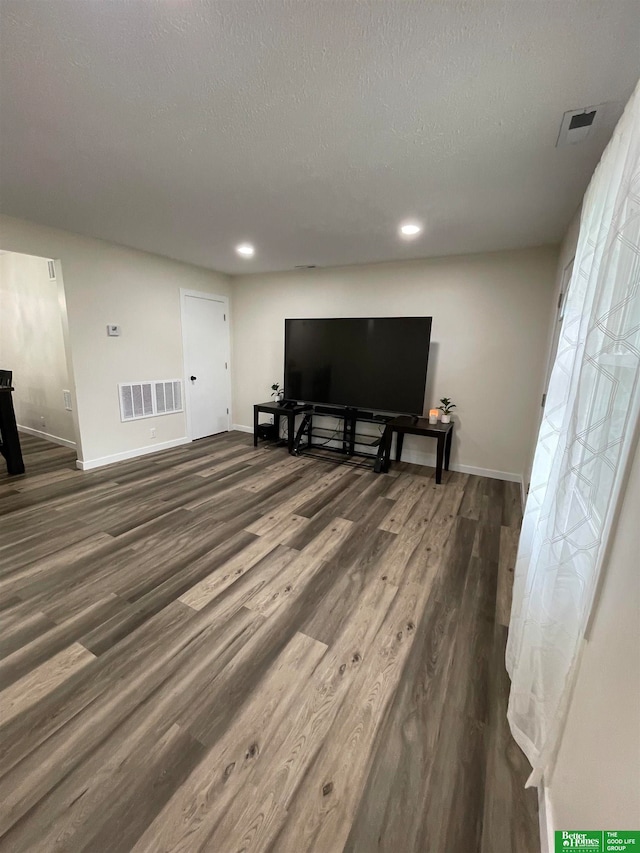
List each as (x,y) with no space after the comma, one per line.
(222,648)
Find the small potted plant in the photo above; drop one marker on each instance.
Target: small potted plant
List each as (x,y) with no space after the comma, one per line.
(446,408)
(277,393)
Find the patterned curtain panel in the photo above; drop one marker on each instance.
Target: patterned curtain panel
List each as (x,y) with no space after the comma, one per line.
(588,431)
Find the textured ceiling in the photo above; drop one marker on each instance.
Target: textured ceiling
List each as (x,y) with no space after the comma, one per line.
(308,128)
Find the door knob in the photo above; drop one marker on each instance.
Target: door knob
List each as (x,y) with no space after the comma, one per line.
(193,378)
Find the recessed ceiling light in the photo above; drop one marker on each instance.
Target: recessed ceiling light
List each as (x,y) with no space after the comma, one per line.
(246,250)
(410,229)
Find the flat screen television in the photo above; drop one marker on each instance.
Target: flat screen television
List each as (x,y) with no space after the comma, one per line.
(377,363)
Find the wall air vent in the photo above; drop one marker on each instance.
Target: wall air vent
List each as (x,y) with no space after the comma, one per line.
(168,396)
(149,399)
(51,265)
(578,125)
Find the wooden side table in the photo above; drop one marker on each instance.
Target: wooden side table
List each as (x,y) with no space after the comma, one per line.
(407,426)
(278,412)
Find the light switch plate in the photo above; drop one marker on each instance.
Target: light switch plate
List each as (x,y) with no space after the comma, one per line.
(113,331)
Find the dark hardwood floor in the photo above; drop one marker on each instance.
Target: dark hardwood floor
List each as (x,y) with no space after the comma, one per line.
(227,649)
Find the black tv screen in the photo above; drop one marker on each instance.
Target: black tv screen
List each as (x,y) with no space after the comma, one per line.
(375,363)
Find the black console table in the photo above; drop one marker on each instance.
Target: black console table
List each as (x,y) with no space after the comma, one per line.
(309,438)
(287,410)
(351,443)
(418,426)
(9,437)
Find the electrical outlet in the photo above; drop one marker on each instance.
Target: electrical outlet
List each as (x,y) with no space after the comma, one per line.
(153,432)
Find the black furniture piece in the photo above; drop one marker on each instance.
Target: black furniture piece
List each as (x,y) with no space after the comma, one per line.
(418,426)
(9,437)
(350,442)
(287,410)
(366,363)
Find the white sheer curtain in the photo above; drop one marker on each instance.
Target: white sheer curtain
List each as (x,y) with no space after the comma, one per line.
(591,415)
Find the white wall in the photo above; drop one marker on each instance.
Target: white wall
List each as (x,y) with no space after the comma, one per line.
(596,782)
(32,345)
(490,319)
(105,284)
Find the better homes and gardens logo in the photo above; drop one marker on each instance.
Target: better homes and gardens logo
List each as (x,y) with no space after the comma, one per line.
(580,840)
(598,842)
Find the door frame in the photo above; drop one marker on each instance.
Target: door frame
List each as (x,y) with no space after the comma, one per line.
(563,292)
(212,297)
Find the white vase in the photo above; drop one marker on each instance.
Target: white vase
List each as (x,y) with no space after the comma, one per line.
(445,419)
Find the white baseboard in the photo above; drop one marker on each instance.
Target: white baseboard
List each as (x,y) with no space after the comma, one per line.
(429,459)
(418,458)
(89,464)
(47,436)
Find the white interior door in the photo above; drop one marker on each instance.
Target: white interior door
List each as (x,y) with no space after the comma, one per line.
(205,336)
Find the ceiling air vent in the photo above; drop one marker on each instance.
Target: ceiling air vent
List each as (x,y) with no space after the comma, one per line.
(305,267)
(578,125)
(51,265)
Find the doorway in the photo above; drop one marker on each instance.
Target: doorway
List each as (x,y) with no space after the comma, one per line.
(34,348)
(206,353)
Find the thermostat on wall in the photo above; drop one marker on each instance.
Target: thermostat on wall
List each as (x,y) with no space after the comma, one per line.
(113,331)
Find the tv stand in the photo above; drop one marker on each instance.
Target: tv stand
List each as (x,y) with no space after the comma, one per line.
(309,438)
(278,411)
